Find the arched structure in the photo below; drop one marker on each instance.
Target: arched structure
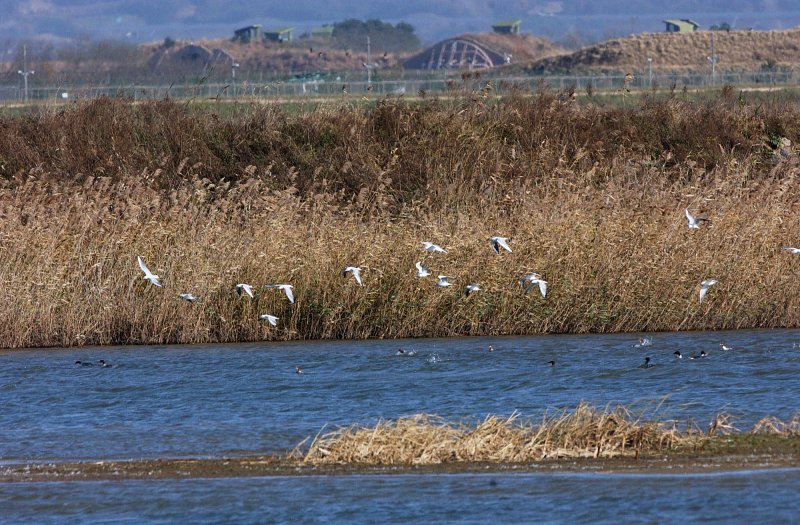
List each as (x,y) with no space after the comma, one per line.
(456,53)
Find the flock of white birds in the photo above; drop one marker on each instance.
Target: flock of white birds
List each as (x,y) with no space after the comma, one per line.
(528,281)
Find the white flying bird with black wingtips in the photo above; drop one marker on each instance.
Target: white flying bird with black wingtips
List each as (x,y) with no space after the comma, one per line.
(355,271)
(694,222)
(430,247)
(499,242)
(187,297)
(705,285)
(287,289)
(468,289)
(422,270)
(269,318)
(148,275)
(532,279)
(443,282)
(243,288)
(792,250)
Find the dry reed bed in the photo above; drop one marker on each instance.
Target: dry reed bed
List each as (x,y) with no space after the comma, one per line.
(592,198)
(585,432)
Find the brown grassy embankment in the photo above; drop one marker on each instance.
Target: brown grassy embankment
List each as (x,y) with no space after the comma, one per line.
(592,198)
(681,52)
(586,432)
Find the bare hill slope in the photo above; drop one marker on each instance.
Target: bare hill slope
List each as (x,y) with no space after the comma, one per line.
(736,50)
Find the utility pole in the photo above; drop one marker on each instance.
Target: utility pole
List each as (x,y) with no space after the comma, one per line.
(650,70)
(233,77)
(24,71)
(368,65)
(713,59)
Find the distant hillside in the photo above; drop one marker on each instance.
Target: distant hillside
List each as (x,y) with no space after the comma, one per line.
(308,55)
(736,51)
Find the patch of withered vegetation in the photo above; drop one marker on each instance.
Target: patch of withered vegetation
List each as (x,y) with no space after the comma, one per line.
(422,439)
(593,199)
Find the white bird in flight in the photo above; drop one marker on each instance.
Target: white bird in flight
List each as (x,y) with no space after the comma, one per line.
(356,271)
(694,222)
(270,318)
(287,289)
(187,297)
(529,280)
(148,275)
(792,250)
(443,283)
(429,246)
(422,271)
(244,288)
(499,242)
(704,286)
(468,289)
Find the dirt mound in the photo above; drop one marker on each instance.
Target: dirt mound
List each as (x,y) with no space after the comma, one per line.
(294,57)
(683,52)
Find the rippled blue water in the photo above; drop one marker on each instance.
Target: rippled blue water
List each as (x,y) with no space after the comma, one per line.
(742,497)
(238,399)
(179,401)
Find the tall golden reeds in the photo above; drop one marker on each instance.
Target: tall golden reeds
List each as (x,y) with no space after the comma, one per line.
(585,432)
(591,197)
(422,439)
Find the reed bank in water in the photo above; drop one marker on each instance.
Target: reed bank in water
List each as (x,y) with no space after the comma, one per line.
(592,200)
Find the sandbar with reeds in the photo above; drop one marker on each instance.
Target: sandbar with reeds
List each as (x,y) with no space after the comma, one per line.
(586,439)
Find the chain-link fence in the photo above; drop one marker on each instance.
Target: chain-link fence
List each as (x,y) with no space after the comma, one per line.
(299,89)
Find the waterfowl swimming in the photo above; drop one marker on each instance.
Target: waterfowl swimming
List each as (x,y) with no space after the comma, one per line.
(499,242)
(298,369)
(723,346)
(355,271)
(694,222)
(644,341)
(148,275)
(104,364)
(702,355)
(491,348)
(552,362)
(84,363)
(430,247)
(404,352)
(677,355)
(646,363)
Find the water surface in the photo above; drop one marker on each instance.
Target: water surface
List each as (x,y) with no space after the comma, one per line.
(201,401)
(742,497)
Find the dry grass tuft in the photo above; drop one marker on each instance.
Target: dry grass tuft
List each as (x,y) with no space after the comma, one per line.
(422,439)
(774,426)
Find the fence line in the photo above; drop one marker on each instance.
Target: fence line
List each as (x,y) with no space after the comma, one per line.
(320,88)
